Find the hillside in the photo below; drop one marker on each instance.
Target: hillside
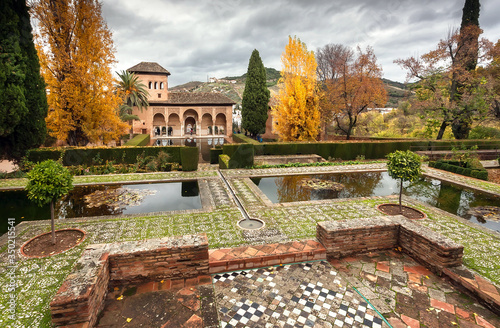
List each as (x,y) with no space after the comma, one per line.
(233,86)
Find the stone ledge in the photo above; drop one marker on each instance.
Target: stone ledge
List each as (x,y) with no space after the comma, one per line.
(347,237)
(80,299)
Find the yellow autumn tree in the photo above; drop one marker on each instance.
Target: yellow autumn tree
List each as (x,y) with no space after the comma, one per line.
(76,54)
(296,115)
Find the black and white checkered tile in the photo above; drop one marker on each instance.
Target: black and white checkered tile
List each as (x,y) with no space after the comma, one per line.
(298,295)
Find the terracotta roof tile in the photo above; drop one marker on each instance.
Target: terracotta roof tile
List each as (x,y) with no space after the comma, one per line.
(148,67)
(189,98)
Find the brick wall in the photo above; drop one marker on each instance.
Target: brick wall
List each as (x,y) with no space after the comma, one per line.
(80,299)
(347,237)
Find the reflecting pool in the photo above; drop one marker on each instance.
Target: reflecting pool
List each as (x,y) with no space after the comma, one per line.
(98,200)
(453,199)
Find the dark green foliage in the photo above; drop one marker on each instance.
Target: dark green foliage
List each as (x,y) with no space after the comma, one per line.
(23,103)
(47,182)
(189,158)
(255,97)
(242,157)
(87,156)
(163,162)
(214,155)
(223,161)
(241,138)
(471,168)
(139,140)
(404,166)
(484,132)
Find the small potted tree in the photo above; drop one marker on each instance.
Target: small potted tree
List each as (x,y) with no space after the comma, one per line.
(403,166)
(48,181)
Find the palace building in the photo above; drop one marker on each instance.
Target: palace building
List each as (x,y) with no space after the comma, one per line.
(179,115)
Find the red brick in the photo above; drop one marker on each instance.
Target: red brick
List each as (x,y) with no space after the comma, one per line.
(396,323)
(415,277)
(417,269)
(483,323)
(412,323)
(190,282)
(462,313)
(204,280)
(382,266)
(194,322)
(485,285)
(443,306)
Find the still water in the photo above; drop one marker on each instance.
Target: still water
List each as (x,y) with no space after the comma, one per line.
(453,199)
(101,200)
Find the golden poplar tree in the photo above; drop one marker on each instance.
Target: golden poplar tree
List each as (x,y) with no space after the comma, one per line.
(76,53)
(296,115)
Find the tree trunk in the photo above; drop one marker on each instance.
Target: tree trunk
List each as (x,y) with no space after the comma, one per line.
(52,223)
(441,130)
(400,195)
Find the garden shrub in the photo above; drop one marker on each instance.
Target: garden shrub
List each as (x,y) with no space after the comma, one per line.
(139,140)
(214,155)
(242,157)
(223,161)
(38,155)
(189,158)
(472,168)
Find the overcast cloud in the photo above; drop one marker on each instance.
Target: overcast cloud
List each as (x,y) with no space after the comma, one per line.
(195,39)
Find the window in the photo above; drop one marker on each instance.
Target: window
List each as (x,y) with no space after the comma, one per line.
(159,95)
(161,85)
(156,85)
(150,85)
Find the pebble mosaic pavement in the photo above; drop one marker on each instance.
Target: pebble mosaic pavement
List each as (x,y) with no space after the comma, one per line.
(298,295)
(39,279)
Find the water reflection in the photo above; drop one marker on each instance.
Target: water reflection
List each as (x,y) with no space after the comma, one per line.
(110,200)
(203,144)
(442,195)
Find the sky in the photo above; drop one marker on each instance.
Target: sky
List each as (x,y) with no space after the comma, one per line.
(196,39)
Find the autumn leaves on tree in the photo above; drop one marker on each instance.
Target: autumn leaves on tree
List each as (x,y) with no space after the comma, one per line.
(296,116)
(76,53)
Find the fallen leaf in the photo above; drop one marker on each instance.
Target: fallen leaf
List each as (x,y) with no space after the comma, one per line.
(129,319)
(116,288)
(454,323)
(119,298)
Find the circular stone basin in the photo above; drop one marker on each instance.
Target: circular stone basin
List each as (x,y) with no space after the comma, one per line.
(251,224)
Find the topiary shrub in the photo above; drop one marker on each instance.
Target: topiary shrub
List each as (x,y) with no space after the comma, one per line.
(47,182)
(405,166)
(242,157)
(223,162)
(189,158)
(214,155)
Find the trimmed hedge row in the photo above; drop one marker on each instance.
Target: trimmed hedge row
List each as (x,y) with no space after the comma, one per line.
(214,155)
(454,166)
(242,157)
(139,140)
(223,161)
(241,138)
(94,156)
(189,158)
(349,151)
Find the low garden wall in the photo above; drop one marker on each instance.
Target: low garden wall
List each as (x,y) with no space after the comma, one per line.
(348,237)
(81,297)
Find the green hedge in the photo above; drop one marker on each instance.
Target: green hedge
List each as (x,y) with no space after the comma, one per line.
(241,138)
(470,170)
(214,155)
(223,162)
(189,158)
(349,151)
(242,157)
(99,155)
(41,154)
(139,140)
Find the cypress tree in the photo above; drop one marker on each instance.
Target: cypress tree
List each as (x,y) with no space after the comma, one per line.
(23,102)
(255,97)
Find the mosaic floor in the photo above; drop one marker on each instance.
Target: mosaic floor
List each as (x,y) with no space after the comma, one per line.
(298,295)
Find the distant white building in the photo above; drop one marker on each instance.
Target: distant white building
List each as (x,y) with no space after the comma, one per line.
(382,110)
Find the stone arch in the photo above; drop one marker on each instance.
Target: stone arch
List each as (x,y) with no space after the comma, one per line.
(220,123)
(190,122)
(206,124)
(174,125)
(159,124)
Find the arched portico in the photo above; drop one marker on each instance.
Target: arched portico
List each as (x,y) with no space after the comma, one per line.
(207,125)
(190,121)
(220,124)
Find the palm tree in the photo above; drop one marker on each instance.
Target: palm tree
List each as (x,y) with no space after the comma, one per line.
(134,94)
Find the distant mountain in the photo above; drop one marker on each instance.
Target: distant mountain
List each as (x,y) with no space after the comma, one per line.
(233,86)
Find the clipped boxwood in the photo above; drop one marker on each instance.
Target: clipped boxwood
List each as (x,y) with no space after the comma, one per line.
(472,168)
(189,158)
(139,140)
(242,157)
(223,161)
(214,155)
(42,154)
